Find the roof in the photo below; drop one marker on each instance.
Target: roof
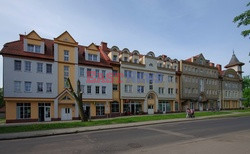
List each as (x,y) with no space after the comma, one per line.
(81,58)
(15,48)
(234,61)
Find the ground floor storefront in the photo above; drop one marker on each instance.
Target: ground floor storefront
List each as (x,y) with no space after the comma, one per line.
(29,110)
(231,104)
(200,106)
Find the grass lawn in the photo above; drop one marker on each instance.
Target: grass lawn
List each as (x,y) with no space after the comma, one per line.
(2,120)
(47,126)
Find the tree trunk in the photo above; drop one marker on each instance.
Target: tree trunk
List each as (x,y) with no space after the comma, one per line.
(78,98)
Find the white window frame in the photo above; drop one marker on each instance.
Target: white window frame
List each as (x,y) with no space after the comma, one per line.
(17,86)
(39,68)
(66,55)
(27,86)
(27,67)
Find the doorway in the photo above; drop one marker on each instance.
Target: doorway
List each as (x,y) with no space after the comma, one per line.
(66,114)
(44,112)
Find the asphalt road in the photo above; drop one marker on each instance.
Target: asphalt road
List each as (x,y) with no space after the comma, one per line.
(230,135)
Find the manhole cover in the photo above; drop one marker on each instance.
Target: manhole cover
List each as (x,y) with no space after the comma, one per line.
(134,145)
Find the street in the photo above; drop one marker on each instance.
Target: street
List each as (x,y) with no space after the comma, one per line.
(227,135)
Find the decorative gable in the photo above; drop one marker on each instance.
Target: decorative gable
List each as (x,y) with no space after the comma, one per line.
(92,46)
(34,36)
(66,38)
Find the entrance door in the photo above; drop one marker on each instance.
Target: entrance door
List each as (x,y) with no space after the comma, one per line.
(47,113)
(66,114)
(164,106)
(87,108)
(151,109)
(44,111)
(200,106)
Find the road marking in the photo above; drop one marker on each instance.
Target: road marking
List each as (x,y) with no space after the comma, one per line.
(169,132)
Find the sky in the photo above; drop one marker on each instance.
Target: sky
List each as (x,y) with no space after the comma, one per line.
(179,29)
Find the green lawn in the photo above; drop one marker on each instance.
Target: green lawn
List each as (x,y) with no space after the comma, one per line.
(47,126)
(2,120)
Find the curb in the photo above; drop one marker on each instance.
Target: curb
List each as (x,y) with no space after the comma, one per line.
(66,131)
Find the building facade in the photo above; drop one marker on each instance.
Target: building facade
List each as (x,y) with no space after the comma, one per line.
(114,82)
(231,84)
(199,84)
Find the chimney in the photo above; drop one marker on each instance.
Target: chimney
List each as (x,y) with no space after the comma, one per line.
(218,67)
(104,46)
(211,64)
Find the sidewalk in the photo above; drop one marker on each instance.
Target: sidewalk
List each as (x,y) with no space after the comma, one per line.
(32,134)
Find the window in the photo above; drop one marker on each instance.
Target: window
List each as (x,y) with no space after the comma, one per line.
(127,74)
(159,64)
(66,55)
(161,90)
(37,48)
(30,48)
(48,68)
(39,87)
(23,110)
(100,109)
(135,60)
(34,48)
(88,89)
(115,58)
(140,75)
(160,77)
(115,73)
(115,87)
(151,65)
(104,74)
(27,86)
(17,86)
(170,91)
(115,107)
(103,89)
(81,71)
(92,57)
(39,67)
(97,88)
(27,66)
(18,65)
(125,58)
(140,89)
(97,73)
(128,88)
(170,78)
(88,72)
(66,75)
(48,87)
(151,87)
(82,88)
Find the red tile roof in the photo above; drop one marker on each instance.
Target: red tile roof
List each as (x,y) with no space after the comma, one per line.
(15,48)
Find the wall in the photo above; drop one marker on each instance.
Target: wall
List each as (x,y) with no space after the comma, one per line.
(10,76)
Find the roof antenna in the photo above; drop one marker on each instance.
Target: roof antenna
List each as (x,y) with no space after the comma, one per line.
(233,51)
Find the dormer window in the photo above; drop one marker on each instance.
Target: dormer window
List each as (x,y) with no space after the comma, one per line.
(159,64)
(92,57)
(125,58)
(115,58)
(34,48)
(135,60)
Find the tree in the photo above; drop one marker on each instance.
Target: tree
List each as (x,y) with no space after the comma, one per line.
(246,91)
(78,97)
(243,19)
(1,97)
